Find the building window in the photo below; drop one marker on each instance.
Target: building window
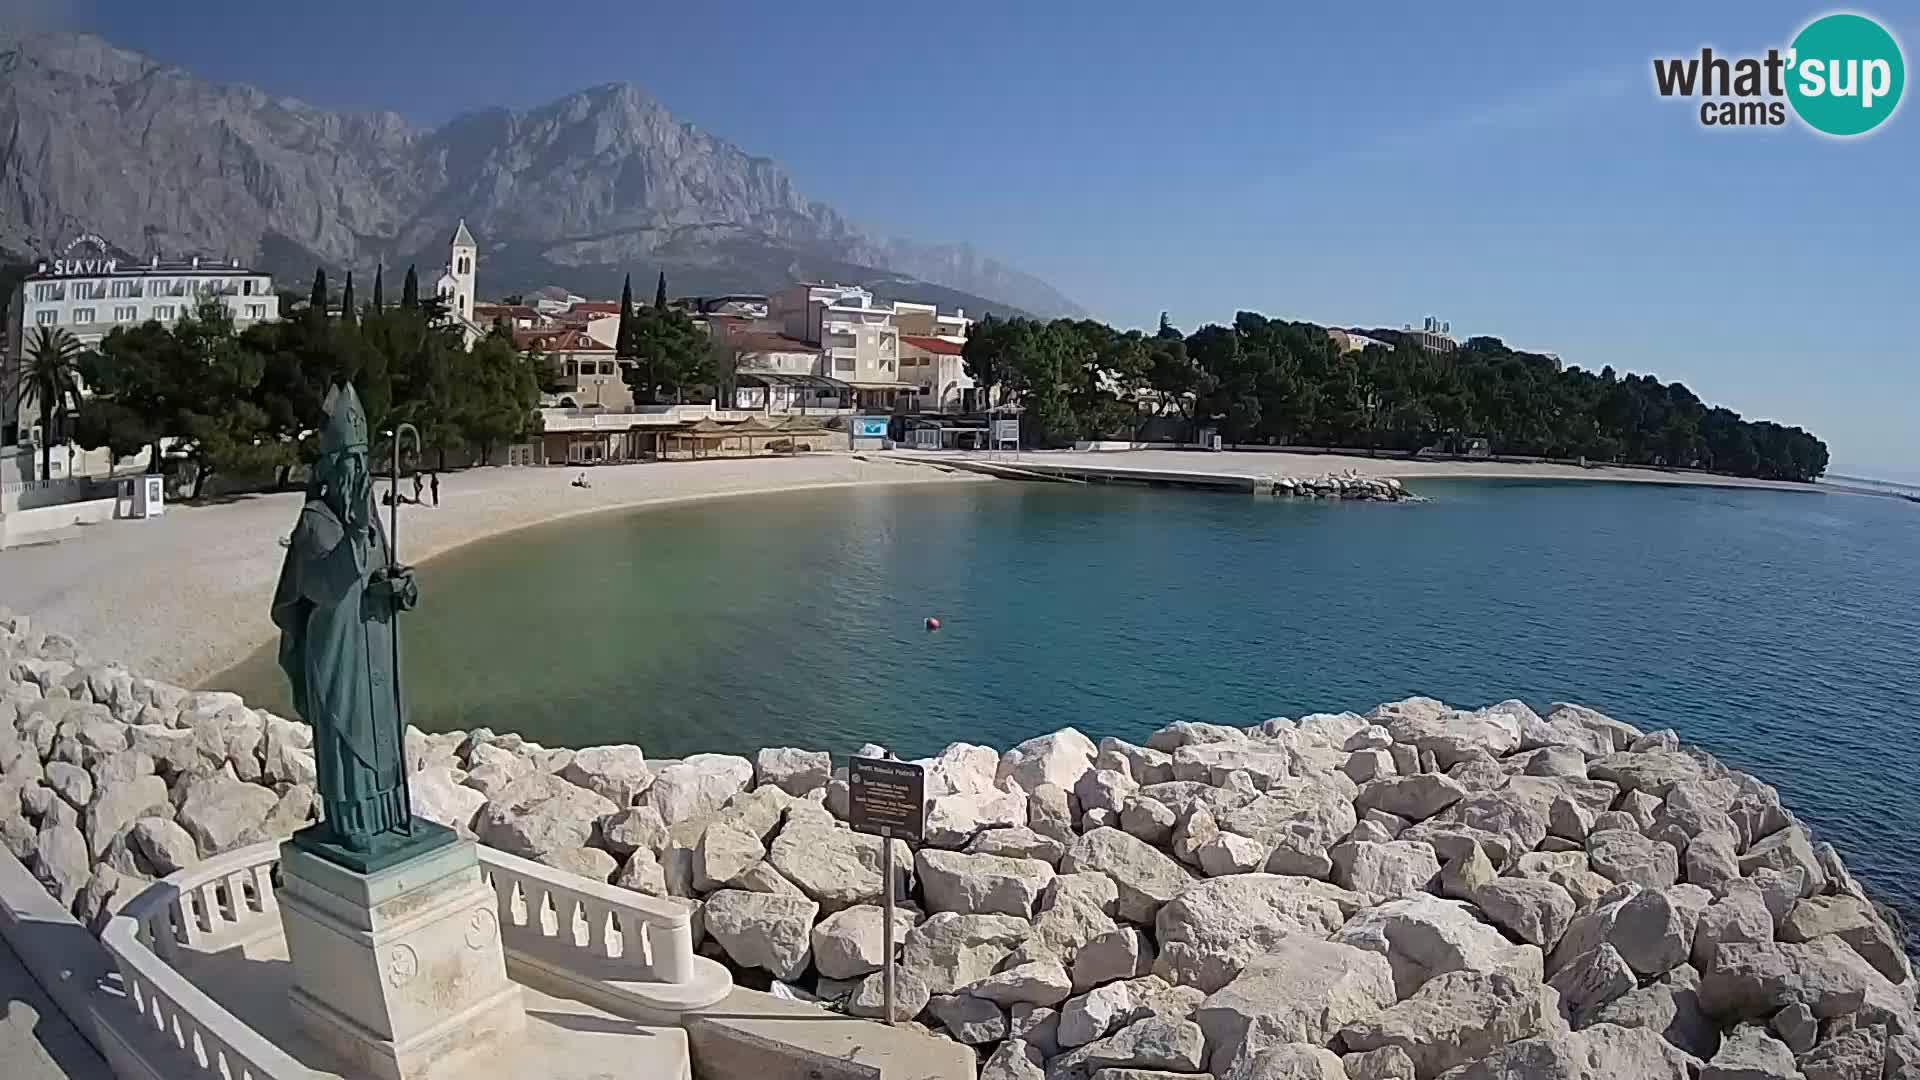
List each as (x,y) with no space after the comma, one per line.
(256,311)
(123,289)
(246,287)
(47,290)
(47,318)
(163,312)
(843,363)
(126,313)
(82,316)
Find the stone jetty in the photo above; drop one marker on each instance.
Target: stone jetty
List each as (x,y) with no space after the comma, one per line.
(1347,485)
(1421,891)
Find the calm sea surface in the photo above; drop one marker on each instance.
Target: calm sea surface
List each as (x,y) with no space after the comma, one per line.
(1779,630)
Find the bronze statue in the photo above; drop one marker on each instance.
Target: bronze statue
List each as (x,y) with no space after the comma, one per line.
(339,595)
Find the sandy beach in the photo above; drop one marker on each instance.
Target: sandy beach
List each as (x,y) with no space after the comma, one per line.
(185,596)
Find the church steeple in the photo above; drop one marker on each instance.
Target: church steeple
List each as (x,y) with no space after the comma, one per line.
(461,265)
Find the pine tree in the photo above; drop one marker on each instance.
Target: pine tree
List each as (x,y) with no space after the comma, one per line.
(623,334)
(660,293)
(346,301)
(379,289)
(317,302)
(410,290)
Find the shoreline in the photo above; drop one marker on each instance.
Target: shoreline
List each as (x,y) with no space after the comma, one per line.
(185,597)
(1299,463)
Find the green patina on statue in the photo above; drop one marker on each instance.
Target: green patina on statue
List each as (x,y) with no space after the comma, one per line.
(339,595)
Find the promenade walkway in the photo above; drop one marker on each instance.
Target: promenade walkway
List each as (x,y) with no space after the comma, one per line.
(36,1040)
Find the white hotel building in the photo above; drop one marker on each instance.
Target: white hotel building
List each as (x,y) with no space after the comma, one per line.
(88,290)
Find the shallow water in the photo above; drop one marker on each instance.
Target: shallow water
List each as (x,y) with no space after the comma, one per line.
(1778,630)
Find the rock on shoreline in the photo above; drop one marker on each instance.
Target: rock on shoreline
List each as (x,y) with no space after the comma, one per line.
(1415,893)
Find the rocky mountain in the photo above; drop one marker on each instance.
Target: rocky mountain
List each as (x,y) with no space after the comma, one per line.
(576,192)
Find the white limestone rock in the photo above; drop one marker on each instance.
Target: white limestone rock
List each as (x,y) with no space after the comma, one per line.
(434,794)
(1394,868)
(1017,842)
(970,1020)
(1213,929)
(1060,758)
(696,786)
(61,862)
(1592,979)
(642,873)
(1854,922)
(538,813)
(1536,912)
(869,998)
(218,810)
(1043,982)
(949,951)
(1228,853)
(590,863)
(1122,953)
(1415,797)
(793,771)
(1750,1053)
(1787,850)
(1150,820)
(1424,937)
(1146,877)
(1623,856)
(1303,991)
(634,829)
(773,933)
(163,844)
(1458,1017)
(1315,811)
(115,805)
(1155,1042)
(981,884)
(724,853)
(954,820)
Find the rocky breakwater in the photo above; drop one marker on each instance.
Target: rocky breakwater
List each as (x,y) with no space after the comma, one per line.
(1348,485)
(1418,892)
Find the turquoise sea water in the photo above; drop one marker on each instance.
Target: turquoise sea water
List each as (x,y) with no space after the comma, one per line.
(1778,630)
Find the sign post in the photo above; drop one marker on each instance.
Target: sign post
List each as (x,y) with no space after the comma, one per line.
(886,799)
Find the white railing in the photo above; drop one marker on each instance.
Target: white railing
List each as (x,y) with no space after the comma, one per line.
(219,902)
(623,949)
(563,924)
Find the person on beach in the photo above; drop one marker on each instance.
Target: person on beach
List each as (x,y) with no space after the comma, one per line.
(433,481)
(417,485)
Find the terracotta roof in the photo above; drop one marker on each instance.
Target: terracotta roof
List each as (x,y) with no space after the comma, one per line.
(516,311)
(595,307)
(931,344)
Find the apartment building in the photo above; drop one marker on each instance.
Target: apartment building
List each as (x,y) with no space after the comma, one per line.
(859,343)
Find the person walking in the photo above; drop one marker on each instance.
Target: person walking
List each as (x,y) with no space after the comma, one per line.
(417,484)
(433,482)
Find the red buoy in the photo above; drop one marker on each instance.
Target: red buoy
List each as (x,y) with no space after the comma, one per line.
(933,623)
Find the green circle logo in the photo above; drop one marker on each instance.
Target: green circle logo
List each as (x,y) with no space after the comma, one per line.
(1845,74)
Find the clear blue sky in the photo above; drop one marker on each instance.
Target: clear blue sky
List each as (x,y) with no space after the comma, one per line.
(1508,168)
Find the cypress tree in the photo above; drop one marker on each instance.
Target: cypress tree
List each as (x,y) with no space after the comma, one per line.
(660,293)
(317,301)
(379,289)
(410,289)
(623,334)
(346,301)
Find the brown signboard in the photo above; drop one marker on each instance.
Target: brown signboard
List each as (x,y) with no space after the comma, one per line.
(886,798)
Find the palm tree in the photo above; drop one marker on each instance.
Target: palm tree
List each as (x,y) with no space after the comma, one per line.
(50,378)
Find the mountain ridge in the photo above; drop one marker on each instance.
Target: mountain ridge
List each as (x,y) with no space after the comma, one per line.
(577,191)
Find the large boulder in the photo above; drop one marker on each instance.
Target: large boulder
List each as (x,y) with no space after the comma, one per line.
(163,844)
(1018,842)
(949,951)
(540,813)
(1601,1052)
(696,786)
(981,884)
(961,768)
(1423,937)
(1416,797)
(1074,910)
(1592,979)
(1213,928)
(1787,850)
(1395,868)
(1669,1009)
(1458,1017)
(115,805)
(1853,921)
(761,930)
(1610,734)
(1753,980)
(435,795)
(61,861)
(1156,1042)
(1042,982)
(1454,735)
(1301,991)
(971,1020)
(1654,772)
(793,771)
(830,865)
(219,810)
(1750,1052)
(1298,1061)
(1623,855)
(1146,877)
(1315,811)
(954,820)
(618,773)
(724,853)
(1060,758)
(1535,911)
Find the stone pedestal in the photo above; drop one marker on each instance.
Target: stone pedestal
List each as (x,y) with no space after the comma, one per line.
(400,971)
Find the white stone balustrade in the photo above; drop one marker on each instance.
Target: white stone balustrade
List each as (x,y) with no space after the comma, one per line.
(629,951)
(220,902)
(622,951)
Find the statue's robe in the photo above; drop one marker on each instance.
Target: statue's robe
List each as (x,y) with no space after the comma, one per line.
(337,648)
